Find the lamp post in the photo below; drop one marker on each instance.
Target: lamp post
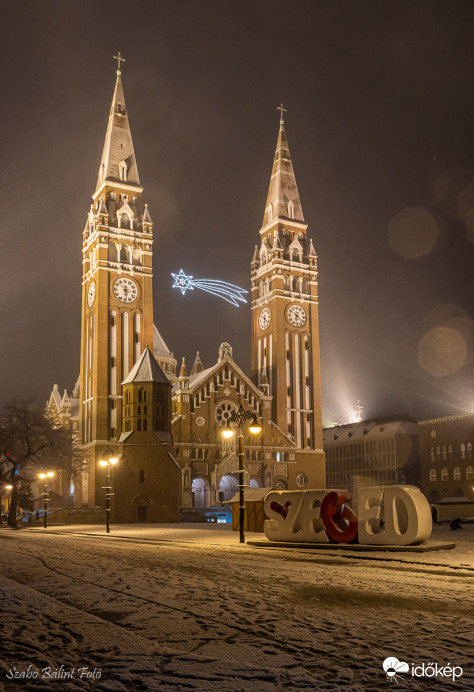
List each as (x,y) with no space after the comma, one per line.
(108,462)
(9,488)
(238,418)
(44,477)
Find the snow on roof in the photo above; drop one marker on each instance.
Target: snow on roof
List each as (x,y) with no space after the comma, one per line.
(454,501)
(146,369)
(250,494)
(375,428)
(159,346)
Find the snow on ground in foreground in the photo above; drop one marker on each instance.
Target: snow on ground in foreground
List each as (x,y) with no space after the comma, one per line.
(185,608)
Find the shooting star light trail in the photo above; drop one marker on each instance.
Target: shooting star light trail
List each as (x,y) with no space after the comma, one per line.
(221,289)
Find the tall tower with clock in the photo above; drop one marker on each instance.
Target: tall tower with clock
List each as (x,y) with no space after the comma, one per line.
(117,299)
(285,324)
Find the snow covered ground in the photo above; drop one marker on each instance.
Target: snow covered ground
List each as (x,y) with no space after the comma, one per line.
(184,608)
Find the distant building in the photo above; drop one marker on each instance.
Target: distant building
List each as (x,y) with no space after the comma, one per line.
(446,457)
(383,451)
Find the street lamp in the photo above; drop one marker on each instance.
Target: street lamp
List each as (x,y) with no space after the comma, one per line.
(45,476)
(9,488)
(108,462)
(238,418)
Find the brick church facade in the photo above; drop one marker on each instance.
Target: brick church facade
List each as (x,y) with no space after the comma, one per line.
(164,427)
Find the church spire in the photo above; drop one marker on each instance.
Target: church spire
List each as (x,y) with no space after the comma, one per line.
(283,199)
(118,163)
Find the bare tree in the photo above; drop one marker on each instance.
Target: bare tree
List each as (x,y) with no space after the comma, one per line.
(29,441)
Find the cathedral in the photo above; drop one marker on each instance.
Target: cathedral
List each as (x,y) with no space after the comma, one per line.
(163,426)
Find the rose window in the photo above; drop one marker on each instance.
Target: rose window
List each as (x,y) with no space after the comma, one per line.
(224,412)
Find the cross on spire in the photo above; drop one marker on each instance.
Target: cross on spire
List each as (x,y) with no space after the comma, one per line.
(279,108)
(119,60)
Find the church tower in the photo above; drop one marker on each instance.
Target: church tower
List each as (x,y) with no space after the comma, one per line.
(117,299)
(285,323)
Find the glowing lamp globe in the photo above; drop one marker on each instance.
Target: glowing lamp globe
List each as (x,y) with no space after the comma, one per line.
(227,432)
(255,426)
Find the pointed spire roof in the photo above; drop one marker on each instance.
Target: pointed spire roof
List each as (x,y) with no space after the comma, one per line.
(146,369)
(283,200)
(183,374)
(198,366)
(146,215)
(311,250)
(118,161)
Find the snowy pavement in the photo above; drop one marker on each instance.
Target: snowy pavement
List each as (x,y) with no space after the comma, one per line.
(181,607)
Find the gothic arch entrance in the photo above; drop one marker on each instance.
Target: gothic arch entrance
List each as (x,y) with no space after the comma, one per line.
(200,490)
(227,487)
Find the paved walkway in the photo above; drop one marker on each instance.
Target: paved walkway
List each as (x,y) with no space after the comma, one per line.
(461,557)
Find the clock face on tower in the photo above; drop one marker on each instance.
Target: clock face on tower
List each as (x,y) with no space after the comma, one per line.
(91,295)
(296,315)
(125,290)
(264,319)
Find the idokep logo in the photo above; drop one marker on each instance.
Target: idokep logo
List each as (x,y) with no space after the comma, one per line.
(393,669)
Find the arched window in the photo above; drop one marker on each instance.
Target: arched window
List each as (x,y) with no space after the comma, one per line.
(457,473)
(139,410)
(470,473)
(438,453)
(450,452)
(141,477)
(469,450)
(443,453)
(432,454)
(140,394)
(432,474)
(123,171)
(463,451)
(145,424)
(291,209)
(139,424)
(444,474)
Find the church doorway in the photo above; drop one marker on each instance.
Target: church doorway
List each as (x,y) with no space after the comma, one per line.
(200,490)
(227,488)
(142,513)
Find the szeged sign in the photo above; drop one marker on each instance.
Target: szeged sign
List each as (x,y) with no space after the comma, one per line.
(386,515)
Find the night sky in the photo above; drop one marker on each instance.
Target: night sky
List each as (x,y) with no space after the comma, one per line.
(380,114)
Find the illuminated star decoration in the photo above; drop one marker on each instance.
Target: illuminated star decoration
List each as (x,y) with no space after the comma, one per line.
(221,289)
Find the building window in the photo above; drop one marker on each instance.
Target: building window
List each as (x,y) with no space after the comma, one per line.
(463,451)
(444,474)
(432,454)
(470,473)
(139,424)
(432,474)
(469,450)
(438,453)
(145,424)
(443,453)
(450,452)
(141,478)
(457,474)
